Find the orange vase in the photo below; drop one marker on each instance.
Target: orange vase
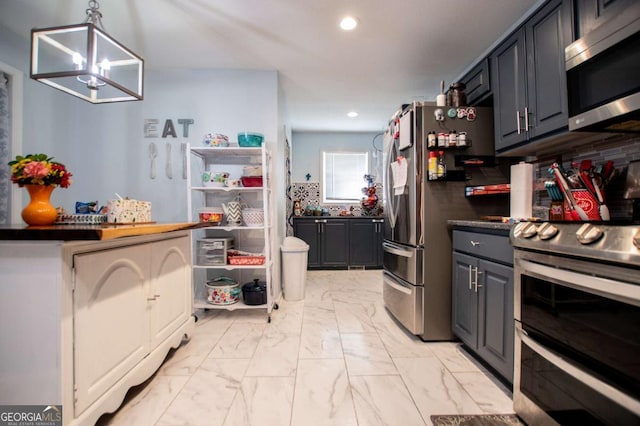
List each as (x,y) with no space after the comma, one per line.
(39,211)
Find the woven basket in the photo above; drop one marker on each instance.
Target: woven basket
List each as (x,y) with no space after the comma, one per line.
(253,217)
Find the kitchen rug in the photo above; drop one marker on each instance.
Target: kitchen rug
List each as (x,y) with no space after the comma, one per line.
(476,420)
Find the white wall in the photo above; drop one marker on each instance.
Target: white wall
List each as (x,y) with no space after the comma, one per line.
(307,147)
(104,145)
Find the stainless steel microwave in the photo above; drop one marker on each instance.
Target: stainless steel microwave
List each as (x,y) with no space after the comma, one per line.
(603,76)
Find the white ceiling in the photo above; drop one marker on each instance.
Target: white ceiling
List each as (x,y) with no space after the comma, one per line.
(399,52)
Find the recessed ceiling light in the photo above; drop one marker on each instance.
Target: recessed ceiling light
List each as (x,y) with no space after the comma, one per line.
(348,23)
(352,114)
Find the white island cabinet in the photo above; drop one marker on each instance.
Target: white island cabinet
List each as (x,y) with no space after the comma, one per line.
(83,321)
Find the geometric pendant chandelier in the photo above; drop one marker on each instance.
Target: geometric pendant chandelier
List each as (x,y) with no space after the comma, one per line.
(84,61)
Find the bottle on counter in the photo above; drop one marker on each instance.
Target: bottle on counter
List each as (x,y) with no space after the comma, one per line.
(442,140)
(441,168)
(432,166)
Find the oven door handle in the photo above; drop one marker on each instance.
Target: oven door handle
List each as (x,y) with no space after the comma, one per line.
(616,290)
(590,381)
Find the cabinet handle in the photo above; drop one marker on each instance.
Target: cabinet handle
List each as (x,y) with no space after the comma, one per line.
(475,243)
(518,120)
(476,283)
(321,221)
(526,119)
(470,280)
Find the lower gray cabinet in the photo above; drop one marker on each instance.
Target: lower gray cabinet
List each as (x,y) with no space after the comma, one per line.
(309,232)
(338,243)
(365,242)
(328,241)
(482,297)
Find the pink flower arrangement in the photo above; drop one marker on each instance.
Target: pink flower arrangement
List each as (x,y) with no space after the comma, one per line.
(39,169)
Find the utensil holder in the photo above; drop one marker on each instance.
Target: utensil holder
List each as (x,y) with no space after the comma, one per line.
(586,201)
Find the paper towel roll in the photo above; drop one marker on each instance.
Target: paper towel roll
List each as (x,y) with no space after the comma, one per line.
(441,100)
(521,190)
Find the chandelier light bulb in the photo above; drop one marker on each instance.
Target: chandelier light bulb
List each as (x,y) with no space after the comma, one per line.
(77,60)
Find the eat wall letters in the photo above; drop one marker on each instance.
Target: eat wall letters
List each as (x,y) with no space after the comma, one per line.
(151,126)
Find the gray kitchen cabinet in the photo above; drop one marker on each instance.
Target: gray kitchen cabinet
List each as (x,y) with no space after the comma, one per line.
(590,14)
(338,243)
(478,83)
(334,243)
(308,231)
(328,241)
(528,78)
(365,237)
(482,297)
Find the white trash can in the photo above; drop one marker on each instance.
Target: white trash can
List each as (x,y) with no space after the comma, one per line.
(294,267)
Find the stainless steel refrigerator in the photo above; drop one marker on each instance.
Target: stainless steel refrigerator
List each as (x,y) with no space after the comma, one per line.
(417,239)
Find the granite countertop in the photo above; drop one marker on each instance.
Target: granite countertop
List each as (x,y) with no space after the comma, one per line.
(484,224)
(87,232)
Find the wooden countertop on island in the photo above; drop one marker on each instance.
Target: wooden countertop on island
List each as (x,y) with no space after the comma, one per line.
(88,232)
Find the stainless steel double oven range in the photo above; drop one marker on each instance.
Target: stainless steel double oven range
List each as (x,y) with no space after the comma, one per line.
(577,311)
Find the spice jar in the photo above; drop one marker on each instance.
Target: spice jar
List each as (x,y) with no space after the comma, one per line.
(462,139)
(442,140)
(431,139)
(453,138)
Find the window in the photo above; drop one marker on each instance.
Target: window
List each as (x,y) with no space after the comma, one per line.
(343,176)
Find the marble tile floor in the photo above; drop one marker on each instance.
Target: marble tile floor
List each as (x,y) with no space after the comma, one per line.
(336,358)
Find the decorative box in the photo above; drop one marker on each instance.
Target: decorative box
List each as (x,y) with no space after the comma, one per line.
(128,211)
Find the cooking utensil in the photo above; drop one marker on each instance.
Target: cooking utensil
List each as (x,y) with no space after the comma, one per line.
(168,164)
(183,154)
(255,293)
(585,165)
(153,153)
(553,191)
(604,210)
(577,213)
(607,172)
(589,186)
(222,291)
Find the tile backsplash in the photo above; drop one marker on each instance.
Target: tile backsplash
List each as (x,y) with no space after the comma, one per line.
(621,151)
(309,195)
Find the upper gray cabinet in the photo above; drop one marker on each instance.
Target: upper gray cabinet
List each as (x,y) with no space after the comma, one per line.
(477,82)
(590,14)
(528,78)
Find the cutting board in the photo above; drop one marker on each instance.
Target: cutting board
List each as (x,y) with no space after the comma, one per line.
(111,232)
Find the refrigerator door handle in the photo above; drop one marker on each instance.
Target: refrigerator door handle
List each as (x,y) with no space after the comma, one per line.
(398,251)
(387,187)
